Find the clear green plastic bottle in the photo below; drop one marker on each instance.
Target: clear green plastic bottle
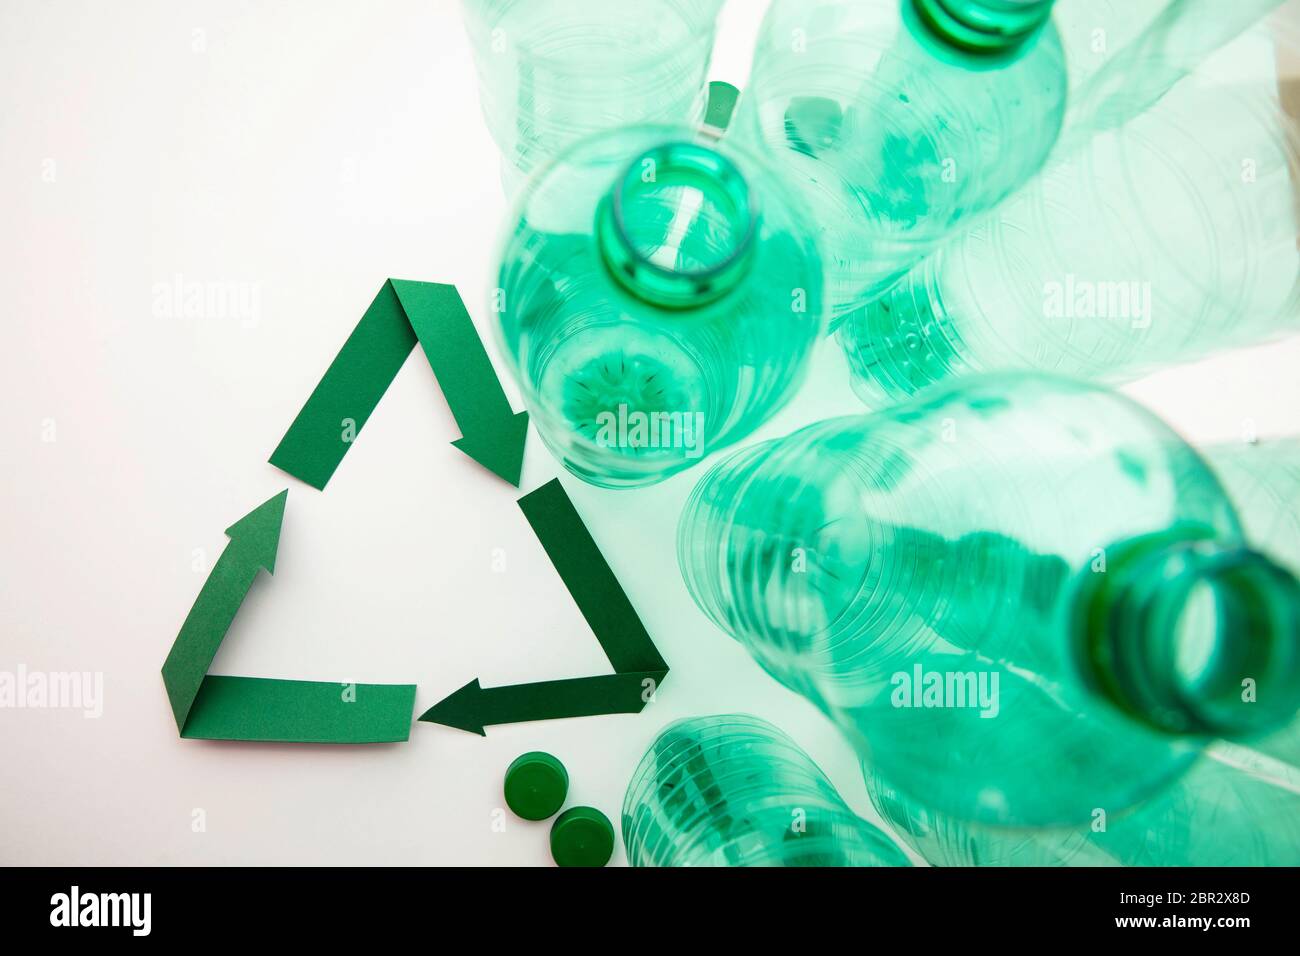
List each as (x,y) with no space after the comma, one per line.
(1167,240)
(1263,478)
(902,119)
(658,297)
(1234,807)
(732,790)
(1022,597)
(1175,41)
(552,72)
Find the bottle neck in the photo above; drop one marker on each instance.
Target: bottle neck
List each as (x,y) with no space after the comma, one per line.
(678,228)
(984,26)
(1195,637)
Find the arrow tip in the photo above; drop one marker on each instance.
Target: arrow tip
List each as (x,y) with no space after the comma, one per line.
(259,530)
(499,450)
(460,709)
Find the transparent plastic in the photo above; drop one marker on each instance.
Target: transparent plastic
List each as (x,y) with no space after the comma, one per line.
(732,790)
(1165,241)
(1262,475)
(552,72)
(658,298)
(1234,807)
(1168,48)
(901,119)
(1021,597)
(1093,32)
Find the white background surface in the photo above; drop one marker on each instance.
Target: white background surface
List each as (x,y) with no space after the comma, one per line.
(308,151)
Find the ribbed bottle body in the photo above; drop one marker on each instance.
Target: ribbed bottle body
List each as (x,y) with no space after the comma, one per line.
(896,134)
(658,298)
(1147,47)
(1234,807)
(733,790)
(920,573)
(552,72)
(1167,240)
(1262,477)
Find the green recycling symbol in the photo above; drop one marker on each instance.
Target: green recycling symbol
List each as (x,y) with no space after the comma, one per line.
(219,707)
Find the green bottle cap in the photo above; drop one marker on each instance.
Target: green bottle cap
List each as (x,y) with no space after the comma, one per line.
(582,836)
(536,785)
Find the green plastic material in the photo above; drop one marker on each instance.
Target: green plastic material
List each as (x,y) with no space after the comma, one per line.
(1024,597)
(1262,476)
(658,298)
(536,785)
(733,790)
(1147,55)
(1235,807)
(984,25)
(552,72)
(582,836)
(1170,239)
(897,134)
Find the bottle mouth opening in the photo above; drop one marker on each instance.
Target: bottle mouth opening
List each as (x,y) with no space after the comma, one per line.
(1233,643)
(984,26)
(1206,641)
(678,228)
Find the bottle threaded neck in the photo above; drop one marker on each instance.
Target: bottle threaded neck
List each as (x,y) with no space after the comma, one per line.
(984,26)
(678,228)
(1194,637)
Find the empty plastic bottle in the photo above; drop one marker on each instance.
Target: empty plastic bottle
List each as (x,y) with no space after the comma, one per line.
(554,71)
(1262,476)
(901,119)
(1180,37)
(1234,807)
(1169,239)
(1022,597)
(1093,32)
(733,790)
(658,296)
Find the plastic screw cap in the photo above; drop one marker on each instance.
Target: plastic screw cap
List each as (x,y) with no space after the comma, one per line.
(582,836)
(536,785)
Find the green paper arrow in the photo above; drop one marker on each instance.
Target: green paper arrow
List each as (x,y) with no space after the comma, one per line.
(249,708)
(608,612)
(492,433)
(474,708)
(403,313)
(352,386)
(300,711)
(589,579)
